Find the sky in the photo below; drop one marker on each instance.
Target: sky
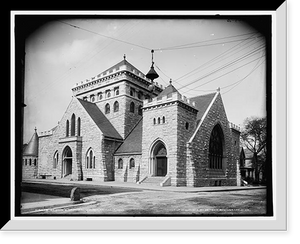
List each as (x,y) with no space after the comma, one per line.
(199,55)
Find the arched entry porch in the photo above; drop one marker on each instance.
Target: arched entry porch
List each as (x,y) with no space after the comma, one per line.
(159,159)
(67,161)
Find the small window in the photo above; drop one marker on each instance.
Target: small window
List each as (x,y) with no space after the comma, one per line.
(116,91)
(140,95)
(187,125)
(67,128)
(131,163)
(73,125)
(78,126)
(116,106)
(132,107)
(92,98)
(164,119)
(132,92)
(30,161)
(120,163)
(108,94)
(107,109)
(90,160)
(140,110)
(55,160)
(100,96)
(158,121)
(154,121)
(26,161)
(34,162)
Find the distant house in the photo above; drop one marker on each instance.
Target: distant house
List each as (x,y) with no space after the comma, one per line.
(246,165)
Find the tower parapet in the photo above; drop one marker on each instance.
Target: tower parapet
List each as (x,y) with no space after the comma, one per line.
(171,97)
(120,71)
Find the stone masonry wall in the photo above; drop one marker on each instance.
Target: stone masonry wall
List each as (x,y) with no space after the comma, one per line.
(29,167)
(90,138)
(165,132)
(185,128)
(199,173)
(127,174)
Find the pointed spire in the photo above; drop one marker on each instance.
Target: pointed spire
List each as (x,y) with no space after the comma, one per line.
(32,148)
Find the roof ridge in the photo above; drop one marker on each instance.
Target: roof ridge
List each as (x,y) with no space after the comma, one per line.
(203,95)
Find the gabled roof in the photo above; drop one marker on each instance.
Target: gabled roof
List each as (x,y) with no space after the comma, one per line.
(100,119)
(32,147)
(133,142)
(168,90)
(202,102)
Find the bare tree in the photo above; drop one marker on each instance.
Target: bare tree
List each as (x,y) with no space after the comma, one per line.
(254,137)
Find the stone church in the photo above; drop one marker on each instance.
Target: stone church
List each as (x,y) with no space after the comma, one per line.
(121,126)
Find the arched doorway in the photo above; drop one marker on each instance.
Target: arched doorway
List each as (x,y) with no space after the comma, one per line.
(159,159)
(67,161)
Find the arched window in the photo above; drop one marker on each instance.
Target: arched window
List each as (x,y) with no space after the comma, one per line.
(108,94)
(158,121)
(140,110)
(34,162)
(154,121)
(120,163)
(116,90)
(73,125)
(90,159)
(67,128)
(100,96)
(216,148)
(30,161)
(78,126)
(92,98)
(132,107)
(107,109)
(131,163)
(55,160)
(164,119)
(116,106)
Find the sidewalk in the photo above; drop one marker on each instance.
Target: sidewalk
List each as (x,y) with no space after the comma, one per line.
(145,186)
(31,202)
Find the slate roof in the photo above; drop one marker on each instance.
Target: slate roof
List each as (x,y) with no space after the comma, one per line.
(133,142)
(116,66)
(202,102)
(168,90)
(32,147)
(100,119)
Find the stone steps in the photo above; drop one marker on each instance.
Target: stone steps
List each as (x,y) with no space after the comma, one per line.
(154,180)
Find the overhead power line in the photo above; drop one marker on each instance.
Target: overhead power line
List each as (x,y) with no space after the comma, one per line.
(192,45)
(96,33)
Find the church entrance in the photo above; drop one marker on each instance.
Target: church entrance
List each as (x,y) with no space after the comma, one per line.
(159,159)
(67,162)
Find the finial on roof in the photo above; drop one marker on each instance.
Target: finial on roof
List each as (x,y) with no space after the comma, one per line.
(218,90)
(170,81)
(124,56)
(35,129)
